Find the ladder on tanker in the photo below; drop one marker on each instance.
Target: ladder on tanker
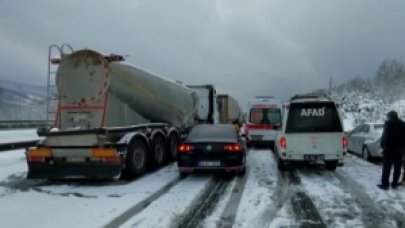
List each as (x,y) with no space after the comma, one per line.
(52,96)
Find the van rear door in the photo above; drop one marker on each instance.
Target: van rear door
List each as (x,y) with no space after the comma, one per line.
(314,129)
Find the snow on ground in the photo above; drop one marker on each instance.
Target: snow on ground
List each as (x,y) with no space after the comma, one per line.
(259,191)
(364,177)
(70,204)
(18,135)
(332,202)
(212,220)
(347,197)
(168,208)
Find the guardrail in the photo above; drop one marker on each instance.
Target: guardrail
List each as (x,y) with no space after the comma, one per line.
(25,123)
(17,145)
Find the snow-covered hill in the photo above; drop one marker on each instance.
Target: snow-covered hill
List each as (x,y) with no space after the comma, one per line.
(360,107)
(22,101)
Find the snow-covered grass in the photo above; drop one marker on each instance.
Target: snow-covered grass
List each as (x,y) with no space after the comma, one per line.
(18,135)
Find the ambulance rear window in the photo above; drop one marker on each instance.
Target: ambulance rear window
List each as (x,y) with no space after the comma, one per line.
(265,116)
(313,117)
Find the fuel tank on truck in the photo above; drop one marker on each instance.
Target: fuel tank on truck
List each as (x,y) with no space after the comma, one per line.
(96,92)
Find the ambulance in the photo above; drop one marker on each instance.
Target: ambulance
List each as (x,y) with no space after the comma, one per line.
(263,120)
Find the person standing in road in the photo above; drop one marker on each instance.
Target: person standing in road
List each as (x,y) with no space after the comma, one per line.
(403,166)
(392,144)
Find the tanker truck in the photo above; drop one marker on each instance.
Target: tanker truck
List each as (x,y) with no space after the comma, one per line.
(112,120)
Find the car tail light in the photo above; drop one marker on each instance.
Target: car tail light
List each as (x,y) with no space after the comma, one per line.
(233,147)
(106,155)
(283,142)
(344,142)
(38,154)
(185,148)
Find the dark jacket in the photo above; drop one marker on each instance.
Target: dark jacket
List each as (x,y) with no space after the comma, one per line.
(393,140)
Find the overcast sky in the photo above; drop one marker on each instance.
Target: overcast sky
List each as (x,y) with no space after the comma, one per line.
(244,47)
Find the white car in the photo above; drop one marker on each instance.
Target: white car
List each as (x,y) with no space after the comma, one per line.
(365,140)
(312,131)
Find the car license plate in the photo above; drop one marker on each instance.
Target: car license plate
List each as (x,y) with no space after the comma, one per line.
(256,137)
(314,157)
(75,159)
(209,163)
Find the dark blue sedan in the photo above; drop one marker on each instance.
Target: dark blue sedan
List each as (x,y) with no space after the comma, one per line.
(216,147)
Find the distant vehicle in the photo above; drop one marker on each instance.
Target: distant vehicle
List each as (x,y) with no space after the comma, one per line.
(365,140)
(215,147)
(229,109)
(263,120)
(312,131)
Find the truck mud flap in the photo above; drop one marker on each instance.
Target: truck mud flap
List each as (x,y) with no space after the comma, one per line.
(66,171)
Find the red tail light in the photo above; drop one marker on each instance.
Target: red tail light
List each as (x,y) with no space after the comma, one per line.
(182,148)
(344,142)
(283,142)
(233,147)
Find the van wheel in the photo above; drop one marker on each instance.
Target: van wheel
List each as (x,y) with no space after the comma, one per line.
(158,151)
(331,165)
(366,154)
(183,174)
(173,143)
(136,159)
(280,164)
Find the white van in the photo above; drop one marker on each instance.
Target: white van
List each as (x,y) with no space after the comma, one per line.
(263,120)
(312,131)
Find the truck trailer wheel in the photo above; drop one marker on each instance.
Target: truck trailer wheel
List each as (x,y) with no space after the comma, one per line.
(136,159)
(173,143)
(158,152)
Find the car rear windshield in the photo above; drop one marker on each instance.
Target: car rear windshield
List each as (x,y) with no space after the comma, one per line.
(313,117)
(265,116)
(213,133)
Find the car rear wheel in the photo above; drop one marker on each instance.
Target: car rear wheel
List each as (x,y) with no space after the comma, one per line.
(280,164)
(331,165)
(183,174)
(366,154)
(242,172)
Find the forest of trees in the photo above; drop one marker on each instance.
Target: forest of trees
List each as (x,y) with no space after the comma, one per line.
(369,99)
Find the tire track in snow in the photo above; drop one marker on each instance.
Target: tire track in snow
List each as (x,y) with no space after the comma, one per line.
(372,214)
(229,214)
(202,206)
(302,206)
(131,212)
(335,204)
(281,195)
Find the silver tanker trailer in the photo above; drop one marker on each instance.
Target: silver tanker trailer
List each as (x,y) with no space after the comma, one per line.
(112,118)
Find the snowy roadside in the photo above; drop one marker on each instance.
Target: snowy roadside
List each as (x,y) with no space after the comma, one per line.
(14,135)
(70,204)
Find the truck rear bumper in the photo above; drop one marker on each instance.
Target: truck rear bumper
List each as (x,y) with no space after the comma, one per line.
(63,171)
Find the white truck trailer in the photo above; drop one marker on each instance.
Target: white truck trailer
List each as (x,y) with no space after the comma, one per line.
(112,119)
(229,109)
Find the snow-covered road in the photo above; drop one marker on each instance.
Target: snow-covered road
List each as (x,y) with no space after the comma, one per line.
(264,197)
